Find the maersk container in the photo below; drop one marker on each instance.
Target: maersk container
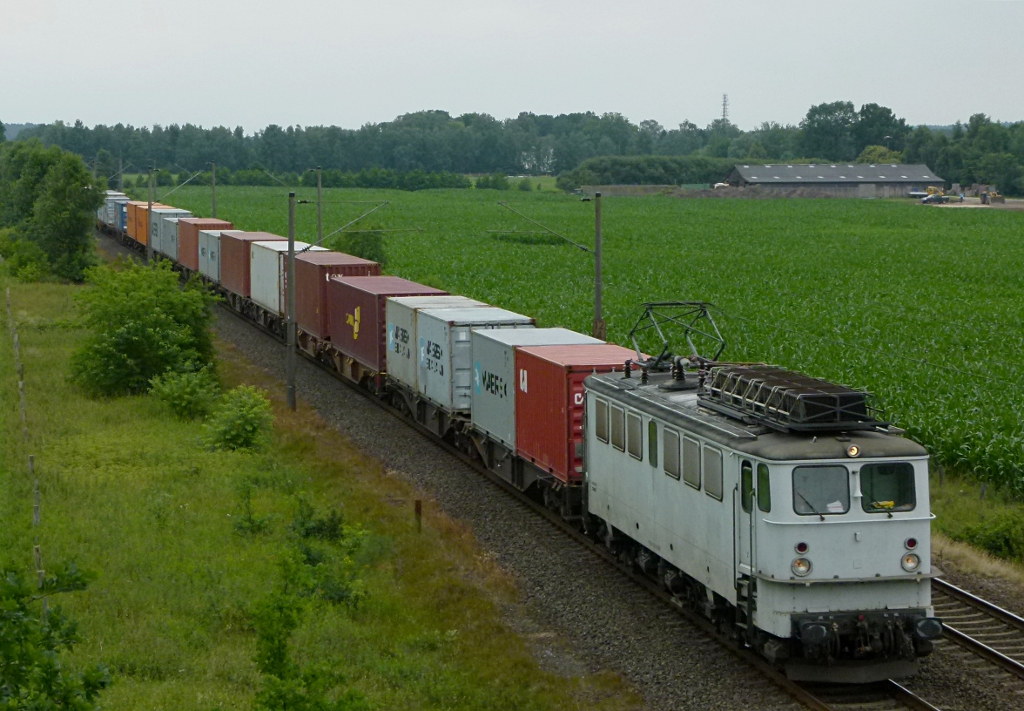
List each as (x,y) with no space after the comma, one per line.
(157,230)
(188,237)
(268,270)
(445,374)
(358,308)
(494,400)
(209,254)
(313,270)
(403,357)
(236,256)
(549,402)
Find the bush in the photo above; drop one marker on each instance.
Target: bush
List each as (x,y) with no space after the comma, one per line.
(368,244)
(525,185)
(242,420)
(191,395)
(1002,535)
(498,181)
(24,259)
(143,325)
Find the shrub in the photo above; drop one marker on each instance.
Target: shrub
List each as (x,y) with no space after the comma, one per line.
(367,243)
(143,325)
(497,181)
(242,419)
(1001,535)
(190,395)
(525,185)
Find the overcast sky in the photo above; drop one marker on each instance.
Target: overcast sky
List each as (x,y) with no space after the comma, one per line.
(256,62)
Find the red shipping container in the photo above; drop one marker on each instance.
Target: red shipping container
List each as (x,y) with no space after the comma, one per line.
(549,402)
(235,258)
(188,237)
(357,314)
(313,271)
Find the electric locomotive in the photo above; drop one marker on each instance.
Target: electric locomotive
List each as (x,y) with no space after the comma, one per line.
(775,504)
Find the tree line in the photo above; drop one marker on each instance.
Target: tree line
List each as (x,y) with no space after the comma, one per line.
(435,142)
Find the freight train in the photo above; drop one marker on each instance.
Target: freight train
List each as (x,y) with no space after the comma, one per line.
(779,506)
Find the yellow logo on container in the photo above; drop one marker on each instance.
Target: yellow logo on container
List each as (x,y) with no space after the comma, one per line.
(353,321)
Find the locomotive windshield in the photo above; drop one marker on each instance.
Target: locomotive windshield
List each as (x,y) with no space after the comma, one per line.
(818,491)
(887,487)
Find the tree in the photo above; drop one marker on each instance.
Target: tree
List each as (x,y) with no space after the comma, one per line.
(878,126)
(828,131)
(879,154)
(143,325)
(32,675)
(63,215)
(3,132)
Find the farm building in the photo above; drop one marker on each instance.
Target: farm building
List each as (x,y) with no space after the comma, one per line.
(840,180)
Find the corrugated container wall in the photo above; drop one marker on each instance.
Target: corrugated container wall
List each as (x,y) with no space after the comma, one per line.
(188,237)
(167,232)
(313,270)
(493,398)
(269,272)
(403,356)
(209,254)
(549,402)
(445,350)
(358,314)
(157,232)
(235,258)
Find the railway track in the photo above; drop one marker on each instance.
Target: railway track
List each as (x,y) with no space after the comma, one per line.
(992,636)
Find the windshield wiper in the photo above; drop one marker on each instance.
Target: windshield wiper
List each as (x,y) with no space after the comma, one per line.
(813,510)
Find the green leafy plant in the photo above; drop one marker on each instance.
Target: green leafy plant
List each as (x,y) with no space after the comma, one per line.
(143,326)
(241,420)
(32,673)
(525,185)
(190,395)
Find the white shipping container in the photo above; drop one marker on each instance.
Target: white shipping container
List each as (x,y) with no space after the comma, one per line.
(157,214)
(111,207)
(209,254)
(168,237)
(268,271)
(401,311)
(494,377)
(445,351)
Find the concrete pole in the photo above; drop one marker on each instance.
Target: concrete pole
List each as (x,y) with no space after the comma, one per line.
(290,323)
(600,330)
(120,174)
(213,175)
(319,207)
(149,220)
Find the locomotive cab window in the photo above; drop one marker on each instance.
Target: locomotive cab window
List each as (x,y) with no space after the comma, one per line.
(822,490)
(601,417)
(747,486)
(652,443)
(618,428)
(887,487)
(635,435)
(691,462)
(713,472)
(764,489)
(672,453)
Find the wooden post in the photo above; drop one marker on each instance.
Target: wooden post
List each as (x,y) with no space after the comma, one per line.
(419,515)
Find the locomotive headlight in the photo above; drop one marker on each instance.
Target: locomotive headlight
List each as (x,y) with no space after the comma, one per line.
(853,451)
(910,562)
(801,567)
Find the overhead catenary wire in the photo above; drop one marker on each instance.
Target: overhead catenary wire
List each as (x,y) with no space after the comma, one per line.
(546,228)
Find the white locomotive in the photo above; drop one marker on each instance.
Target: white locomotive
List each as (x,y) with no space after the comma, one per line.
(774,504)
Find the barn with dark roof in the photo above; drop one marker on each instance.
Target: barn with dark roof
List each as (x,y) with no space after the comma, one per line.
(875,180)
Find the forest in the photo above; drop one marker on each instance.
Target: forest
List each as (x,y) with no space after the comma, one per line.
(978,150)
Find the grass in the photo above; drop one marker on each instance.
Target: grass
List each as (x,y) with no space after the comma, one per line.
(130,493)
(924,307)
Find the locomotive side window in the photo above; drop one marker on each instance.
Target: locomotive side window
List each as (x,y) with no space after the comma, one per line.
(747,486)
(601,426)
(887,487)
(652,443)
(619,428)
(635,435)
(818,491)
(691,462)
(713,472)
(764,490)
(672,453)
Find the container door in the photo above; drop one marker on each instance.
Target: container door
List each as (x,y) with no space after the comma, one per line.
(744,515)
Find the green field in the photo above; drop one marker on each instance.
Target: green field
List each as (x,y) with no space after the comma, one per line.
(168,527)
(924,306)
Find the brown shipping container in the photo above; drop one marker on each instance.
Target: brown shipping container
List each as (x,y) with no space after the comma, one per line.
(142,221)
(357,314)
(313,270)
(235,258)
(188,237)
(549,402)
